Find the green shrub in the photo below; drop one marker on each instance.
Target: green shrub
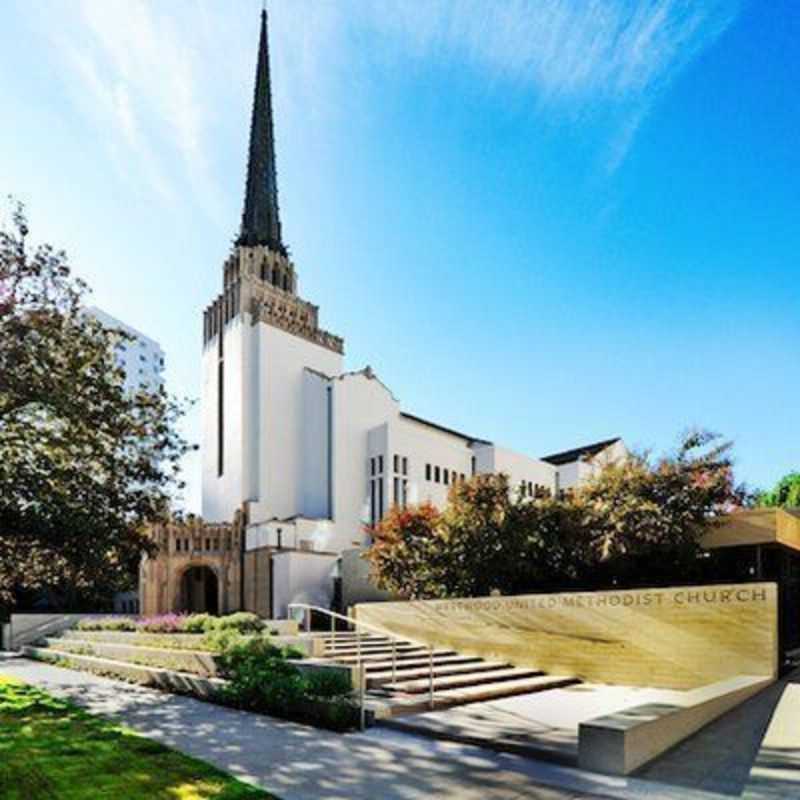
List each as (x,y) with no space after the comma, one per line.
(219,641)
(259,677)
(293,652)
(328,684)
(107,624)
(199,623)
(241,621)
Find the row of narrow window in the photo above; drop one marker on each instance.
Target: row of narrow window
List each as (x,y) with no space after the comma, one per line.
(442,475)
(530,489)
(284,282)
(185,545)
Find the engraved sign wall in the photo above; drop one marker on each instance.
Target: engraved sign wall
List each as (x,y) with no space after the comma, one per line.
(676,638)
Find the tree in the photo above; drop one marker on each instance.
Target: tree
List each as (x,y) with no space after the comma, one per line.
(647,518)
(635,523)
(785,493)
(488,539)
(83,464)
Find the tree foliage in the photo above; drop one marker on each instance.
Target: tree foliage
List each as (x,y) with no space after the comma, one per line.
(83,463)
(636,522)
(785,493)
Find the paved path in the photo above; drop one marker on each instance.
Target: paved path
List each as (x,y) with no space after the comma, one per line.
(300,763)
(752,752)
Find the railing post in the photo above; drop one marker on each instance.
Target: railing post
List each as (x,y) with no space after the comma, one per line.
(333,631)
(308,620)
(430,676)
(362,690)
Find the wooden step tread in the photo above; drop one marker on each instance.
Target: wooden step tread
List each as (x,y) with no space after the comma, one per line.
(468,679)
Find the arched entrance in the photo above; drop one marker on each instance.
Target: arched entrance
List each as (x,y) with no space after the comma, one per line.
(200,591)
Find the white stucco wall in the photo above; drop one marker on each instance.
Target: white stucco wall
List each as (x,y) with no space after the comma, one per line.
(266,446)
(283,358)
(302,578)
(315,486)
(576,472)
(422,445)
(224,494)
(359,404)
(518,467)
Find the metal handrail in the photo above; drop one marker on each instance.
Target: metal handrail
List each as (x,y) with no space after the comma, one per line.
(357,624)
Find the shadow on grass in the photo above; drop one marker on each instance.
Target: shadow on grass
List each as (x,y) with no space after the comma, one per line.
(50,748)
(293,759)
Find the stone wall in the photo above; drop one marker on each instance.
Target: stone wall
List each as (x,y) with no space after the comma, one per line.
(192,544)
(672,638)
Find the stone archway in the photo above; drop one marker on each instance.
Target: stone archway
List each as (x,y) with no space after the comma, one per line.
(199,590)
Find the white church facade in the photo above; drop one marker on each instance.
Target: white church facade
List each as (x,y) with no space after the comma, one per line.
(308,454)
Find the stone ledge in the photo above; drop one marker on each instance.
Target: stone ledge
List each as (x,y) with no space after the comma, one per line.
(620,743)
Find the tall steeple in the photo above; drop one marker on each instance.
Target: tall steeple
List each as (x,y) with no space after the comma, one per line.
(261,223)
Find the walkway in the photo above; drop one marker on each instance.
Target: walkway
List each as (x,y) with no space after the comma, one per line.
(296,762)
(300,763)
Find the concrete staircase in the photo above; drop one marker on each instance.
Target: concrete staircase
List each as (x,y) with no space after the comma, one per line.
(398,675)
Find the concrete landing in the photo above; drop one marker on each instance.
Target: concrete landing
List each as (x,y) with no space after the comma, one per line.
(541,725)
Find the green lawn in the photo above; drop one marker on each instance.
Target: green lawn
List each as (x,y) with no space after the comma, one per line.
(51,749)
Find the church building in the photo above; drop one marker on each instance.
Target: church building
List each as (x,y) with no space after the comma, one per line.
(299,456)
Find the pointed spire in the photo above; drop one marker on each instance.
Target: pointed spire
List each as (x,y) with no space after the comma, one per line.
(261,224)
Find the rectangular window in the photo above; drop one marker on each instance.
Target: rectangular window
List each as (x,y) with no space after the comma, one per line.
(280,538)
(380,465)
(396,460)
(380,498)
(405,466)
(463,477)
(208,544)
(397,498)
(436,474)
(446,476)
(220,418)
(177,545)
(373,506)
(405,494)
(372,466)
(427,472)
(473,465)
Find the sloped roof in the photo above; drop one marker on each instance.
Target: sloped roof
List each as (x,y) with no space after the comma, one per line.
(579,453)
(436,426)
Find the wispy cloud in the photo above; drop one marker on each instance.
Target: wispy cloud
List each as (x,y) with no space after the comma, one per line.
(161,74)
(579,57)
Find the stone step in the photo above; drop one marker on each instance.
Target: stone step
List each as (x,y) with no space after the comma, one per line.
(385,665)
(375,679)
(170,680)
(417,656)
(193,661)
(386,705)
(467,679)
(494,691)
(351,650)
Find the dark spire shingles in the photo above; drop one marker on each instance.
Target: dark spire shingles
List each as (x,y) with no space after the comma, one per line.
(261,223)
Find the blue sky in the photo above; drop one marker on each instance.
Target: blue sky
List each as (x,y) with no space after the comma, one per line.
(544,223)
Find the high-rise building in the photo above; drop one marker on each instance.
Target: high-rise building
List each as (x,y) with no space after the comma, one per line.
(141,358)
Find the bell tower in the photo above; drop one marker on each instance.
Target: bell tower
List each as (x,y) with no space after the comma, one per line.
(259,337)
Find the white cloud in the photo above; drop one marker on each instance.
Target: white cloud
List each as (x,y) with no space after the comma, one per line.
(163,73)
(579,57)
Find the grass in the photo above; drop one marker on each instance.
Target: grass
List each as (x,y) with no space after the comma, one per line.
(50,748)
